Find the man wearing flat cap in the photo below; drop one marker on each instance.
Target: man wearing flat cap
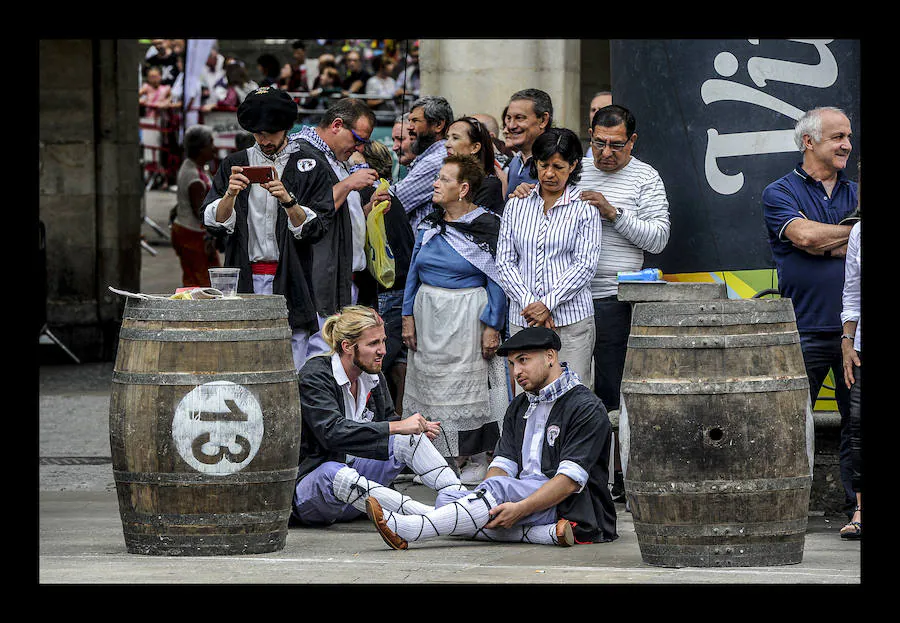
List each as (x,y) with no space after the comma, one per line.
(270,226)
(548,480)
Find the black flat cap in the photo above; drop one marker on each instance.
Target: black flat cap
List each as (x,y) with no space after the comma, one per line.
(267,109)
(532,338)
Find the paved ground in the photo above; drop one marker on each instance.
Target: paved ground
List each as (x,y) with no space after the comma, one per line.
(81,541)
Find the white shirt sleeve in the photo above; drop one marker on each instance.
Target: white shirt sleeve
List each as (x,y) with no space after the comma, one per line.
(298,231)
(209,217)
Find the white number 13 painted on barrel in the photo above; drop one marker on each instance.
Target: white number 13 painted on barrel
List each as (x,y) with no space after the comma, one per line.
(218,428)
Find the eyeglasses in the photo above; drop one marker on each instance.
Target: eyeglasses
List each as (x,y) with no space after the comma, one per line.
(612,146)
(443,179)
(357,138)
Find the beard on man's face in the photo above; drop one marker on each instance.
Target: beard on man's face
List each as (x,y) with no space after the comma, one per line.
(423,142)
(374,368)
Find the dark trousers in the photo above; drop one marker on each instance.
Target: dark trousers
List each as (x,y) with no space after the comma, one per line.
(821,353)
(856,431)
(612,320)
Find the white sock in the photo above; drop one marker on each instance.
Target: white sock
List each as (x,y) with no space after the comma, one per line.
(542,535)
(350,487)
(463,517)
(418,453)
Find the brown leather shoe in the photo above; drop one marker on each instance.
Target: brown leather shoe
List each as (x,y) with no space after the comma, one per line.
(376,514)
(564,535)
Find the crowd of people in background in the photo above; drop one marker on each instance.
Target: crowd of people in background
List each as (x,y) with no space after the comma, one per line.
(497,226)
(384,72)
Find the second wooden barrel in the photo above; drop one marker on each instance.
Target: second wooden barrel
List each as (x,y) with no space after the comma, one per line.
(718,466)
(204,425)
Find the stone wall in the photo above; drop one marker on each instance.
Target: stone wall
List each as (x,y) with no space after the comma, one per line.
(89,186)
(478,76)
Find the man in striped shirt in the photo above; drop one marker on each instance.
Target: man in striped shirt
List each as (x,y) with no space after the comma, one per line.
(429,118)
(632,202)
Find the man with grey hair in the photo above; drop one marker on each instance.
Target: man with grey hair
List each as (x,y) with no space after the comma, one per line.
(803,213)
(429,118)
(529,114)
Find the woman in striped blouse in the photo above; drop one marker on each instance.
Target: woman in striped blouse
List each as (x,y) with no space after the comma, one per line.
(547,251)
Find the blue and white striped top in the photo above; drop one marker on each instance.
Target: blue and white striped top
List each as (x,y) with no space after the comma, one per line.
(549,258)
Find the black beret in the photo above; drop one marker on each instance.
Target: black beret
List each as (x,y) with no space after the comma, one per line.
(532,338)
(267,109)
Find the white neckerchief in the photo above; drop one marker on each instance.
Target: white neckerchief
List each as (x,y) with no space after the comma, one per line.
(471,252)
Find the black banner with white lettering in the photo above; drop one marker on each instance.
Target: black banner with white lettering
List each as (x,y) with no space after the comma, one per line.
(715,117)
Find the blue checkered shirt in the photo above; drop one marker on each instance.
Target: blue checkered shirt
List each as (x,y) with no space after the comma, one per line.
(414,191)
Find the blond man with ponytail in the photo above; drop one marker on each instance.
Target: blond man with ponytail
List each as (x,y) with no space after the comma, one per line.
(351,440)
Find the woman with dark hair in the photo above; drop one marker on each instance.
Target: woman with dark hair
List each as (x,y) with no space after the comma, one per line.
(851,355)
(194,247)
(453,312)
(468,136)
(547,251)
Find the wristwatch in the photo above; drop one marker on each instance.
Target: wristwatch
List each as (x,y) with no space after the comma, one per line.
(848,337)
(291,203)
(618,214)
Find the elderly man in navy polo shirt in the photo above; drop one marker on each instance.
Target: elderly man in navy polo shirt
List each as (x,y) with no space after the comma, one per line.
(804,211)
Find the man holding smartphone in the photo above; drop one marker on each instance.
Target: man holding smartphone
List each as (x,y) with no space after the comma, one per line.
(270,226)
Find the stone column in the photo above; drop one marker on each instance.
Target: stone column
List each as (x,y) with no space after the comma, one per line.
(89,187)
(479,76)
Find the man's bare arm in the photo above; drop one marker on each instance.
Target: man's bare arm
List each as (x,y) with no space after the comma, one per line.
(817,238)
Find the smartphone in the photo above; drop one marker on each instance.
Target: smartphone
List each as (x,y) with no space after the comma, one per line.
(258,175)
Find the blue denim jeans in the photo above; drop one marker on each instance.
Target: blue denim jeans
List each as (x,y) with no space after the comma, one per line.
(821,353)
(390,307)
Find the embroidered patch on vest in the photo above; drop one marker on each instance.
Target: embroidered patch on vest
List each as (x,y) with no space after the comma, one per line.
(306,164)
(552,433)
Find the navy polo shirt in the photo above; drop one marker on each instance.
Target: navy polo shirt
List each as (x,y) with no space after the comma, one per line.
(814,283)
(519,172)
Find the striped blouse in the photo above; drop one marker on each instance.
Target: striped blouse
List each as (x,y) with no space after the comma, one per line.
(549,258)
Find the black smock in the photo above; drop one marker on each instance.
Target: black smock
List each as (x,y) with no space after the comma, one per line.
(326,433)
(333,253)
(584,438)
(294,275)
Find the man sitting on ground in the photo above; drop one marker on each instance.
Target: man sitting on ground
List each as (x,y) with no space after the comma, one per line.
(548,480)
(351,440)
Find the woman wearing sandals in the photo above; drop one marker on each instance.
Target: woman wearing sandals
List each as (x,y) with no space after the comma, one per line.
(851,348)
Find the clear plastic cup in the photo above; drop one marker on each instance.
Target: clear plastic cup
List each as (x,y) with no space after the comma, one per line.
(224,280)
